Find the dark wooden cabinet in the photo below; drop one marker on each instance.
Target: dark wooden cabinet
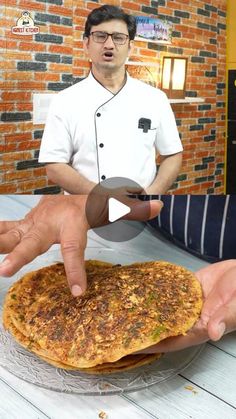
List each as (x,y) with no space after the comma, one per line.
(231,134)
(232,94)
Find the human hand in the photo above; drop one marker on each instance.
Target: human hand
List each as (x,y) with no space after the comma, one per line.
(218,314)
(56,219)
(59,219)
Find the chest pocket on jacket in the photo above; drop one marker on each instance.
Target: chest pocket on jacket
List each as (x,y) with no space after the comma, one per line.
(147,139)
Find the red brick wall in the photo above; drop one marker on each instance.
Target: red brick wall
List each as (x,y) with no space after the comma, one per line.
(53,59)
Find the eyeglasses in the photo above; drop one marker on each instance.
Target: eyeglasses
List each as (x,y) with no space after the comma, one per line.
(117,38)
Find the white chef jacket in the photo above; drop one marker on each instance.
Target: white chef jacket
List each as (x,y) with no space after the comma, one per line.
(97,132)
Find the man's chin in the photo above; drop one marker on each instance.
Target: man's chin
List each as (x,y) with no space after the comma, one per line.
(108,64)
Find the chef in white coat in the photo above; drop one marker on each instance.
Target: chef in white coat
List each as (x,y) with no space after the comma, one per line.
(109,124)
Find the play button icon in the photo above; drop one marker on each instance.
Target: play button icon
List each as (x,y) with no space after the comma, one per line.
(109,202)
(116,210)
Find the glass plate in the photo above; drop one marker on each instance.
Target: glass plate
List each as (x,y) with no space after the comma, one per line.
(32,369)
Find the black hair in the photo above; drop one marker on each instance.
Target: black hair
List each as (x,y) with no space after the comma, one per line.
(109,12)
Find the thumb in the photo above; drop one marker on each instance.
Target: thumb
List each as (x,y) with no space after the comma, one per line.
(143,210)
(223,321)
(222,293)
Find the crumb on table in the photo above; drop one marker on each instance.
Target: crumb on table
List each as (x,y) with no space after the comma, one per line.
(191,389)
(102,415)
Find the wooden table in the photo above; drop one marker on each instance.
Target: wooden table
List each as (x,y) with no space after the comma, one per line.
(206,389)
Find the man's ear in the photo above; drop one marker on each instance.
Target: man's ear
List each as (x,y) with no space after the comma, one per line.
(85,44)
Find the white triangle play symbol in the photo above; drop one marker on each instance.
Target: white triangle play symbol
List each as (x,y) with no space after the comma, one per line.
(116,209)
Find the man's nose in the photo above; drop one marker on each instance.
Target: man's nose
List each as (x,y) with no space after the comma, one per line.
(109,43)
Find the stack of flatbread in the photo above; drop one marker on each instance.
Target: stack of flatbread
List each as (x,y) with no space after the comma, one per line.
(125,309)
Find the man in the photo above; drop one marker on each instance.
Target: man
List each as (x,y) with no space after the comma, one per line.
(109,124)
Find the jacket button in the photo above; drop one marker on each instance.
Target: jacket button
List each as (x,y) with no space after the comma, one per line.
(101,145)
(103,177)
(98,114)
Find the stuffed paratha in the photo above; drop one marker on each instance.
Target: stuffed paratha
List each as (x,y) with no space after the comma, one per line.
(124,364)
(125,309)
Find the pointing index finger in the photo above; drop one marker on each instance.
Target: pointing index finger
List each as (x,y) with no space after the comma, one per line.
(73,243)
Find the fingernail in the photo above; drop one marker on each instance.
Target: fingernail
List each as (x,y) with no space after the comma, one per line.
(221,329)
(4,265)
(159,202)
(76,290)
